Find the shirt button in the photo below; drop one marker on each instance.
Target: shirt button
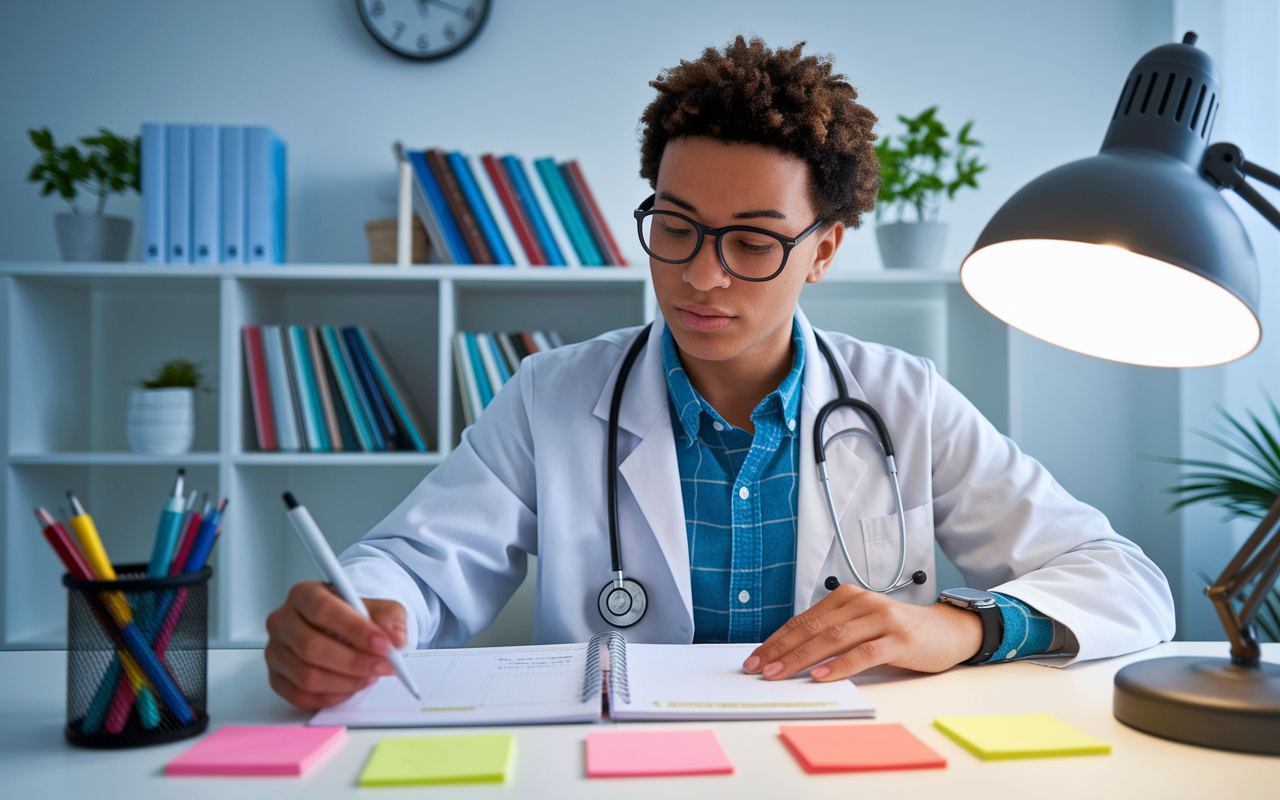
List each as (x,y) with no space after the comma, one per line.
(791,424)
(744,493)
(717,426)
(744,596)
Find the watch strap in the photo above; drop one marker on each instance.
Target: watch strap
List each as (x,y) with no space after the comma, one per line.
(992,633)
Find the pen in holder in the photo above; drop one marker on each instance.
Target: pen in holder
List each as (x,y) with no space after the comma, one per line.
(137,658)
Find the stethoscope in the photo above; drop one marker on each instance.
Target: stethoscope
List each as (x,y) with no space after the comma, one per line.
(623,601)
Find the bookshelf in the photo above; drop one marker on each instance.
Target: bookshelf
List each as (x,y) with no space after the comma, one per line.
(77,333)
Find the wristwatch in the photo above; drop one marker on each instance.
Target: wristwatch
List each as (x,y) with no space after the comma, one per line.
(984,605)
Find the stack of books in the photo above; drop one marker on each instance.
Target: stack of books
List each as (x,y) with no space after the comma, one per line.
(491,210)
(484,361)
(212,194)
(327,389)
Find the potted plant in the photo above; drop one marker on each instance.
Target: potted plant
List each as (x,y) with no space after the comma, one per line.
(161,413)
(1247,489)
(110,166)
(915,171)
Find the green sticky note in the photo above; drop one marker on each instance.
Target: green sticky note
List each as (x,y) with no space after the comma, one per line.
(1020,736)
(483,758)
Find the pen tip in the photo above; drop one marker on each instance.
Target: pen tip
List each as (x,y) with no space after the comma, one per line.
(290,501)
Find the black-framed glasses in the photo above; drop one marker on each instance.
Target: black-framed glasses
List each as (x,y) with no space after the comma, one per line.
(746,253)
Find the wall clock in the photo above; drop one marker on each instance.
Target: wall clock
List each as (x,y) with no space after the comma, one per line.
(424,29)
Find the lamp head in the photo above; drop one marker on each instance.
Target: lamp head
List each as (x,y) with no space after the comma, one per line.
(1130,255)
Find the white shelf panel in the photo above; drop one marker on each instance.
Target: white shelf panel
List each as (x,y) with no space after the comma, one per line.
(91,459)
(337,459)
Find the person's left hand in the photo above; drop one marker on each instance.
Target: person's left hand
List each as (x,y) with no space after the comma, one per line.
(857,629)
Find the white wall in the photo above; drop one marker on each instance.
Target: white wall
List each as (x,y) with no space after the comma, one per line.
(569,79)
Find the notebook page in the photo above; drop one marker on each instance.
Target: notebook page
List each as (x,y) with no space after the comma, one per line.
(476,686)
(706,682)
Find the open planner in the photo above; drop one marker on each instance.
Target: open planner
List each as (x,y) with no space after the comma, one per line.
(584,682)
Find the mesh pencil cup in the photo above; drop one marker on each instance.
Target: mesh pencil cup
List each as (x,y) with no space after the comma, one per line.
(137,658)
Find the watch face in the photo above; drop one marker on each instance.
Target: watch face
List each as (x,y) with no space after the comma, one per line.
(423,29)
(970,597)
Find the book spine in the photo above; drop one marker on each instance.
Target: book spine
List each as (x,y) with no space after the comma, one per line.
(577,184)
(281,400)
(466,379)
(571,218)
(206,202)
(429,203)
(543,342)
(259,393)
(486,390)
(155,238)
(381,415)
(554,338)
(491,371)
(515,214)
(479,209)
(508,349)
(297,392)
(499,359)
(500,219)
(178,193)
(530,343)
(520,181)
(322,389)
(477,250)
(517,342)
(539,189)
(371,426)
(233,195)
(346,388)
(401,404)
(346,424)
(308,394)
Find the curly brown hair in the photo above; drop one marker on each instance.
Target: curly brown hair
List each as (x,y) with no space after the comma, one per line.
(777,98)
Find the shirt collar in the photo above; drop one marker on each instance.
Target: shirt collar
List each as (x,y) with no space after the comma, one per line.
(782,404)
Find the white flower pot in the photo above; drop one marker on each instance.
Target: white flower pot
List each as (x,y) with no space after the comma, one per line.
(92,237)
(161,422)
(911,245)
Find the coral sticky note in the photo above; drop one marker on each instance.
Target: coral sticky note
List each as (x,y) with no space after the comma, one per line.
(1020,736)
(637,754)
(852,748)
(407,761)
(259,750)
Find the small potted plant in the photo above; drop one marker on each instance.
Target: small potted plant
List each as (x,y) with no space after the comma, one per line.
(915,171)
(161,415)
(110,166)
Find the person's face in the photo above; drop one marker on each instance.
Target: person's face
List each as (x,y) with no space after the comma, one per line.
(713,315)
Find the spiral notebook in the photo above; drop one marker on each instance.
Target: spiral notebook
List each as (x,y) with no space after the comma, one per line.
(587,682)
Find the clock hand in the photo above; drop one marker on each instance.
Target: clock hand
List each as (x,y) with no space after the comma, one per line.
(422,8)
(449,6)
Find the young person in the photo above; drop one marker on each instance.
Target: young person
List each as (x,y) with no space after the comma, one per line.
(759,160)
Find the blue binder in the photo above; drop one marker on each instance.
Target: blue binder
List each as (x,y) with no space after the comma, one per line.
(233,194)
(206,204)
(155,234)
(265,196)
(178,193)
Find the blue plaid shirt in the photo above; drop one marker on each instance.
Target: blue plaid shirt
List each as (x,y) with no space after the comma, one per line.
(741,496)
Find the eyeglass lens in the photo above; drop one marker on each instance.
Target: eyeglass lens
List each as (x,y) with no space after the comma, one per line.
(745,253)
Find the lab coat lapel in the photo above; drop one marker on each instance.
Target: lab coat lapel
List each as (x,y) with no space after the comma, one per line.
(815,534)
(650,471)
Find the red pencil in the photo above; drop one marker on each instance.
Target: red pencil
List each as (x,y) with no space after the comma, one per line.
(68,553)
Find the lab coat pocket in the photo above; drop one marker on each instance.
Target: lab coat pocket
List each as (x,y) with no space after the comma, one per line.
(882,545)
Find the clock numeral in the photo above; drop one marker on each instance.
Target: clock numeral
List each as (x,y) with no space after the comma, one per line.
(450,33)
(377,9)
(399,26)
(423,46)
(470,13)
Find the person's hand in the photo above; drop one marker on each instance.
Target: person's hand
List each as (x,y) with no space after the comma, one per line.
(320,651)
(857,629)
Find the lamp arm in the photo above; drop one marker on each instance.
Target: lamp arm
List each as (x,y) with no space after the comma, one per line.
(1260,554)
(1225,166)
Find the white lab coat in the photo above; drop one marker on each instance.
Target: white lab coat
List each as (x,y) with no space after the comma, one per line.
(529,477)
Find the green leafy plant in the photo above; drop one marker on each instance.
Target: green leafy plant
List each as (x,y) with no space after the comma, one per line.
(912,169)
(109,166)
(1244,491)
(176,373)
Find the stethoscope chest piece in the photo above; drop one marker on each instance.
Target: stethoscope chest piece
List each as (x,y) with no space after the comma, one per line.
(622,606)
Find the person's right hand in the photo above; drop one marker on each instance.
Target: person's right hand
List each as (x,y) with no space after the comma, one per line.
(320,651)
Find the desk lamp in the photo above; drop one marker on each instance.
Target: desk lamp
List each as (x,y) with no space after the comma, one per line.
(1133,255)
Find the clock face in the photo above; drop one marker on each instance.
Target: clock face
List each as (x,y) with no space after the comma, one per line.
(423,29)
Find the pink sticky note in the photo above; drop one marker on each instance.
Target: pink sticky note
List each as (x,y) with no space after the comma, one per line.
(851,748)
(637,754)
(259,750)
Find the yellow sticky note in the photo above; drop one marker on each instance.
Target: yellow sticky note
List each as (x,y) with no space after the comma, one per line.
(1020,736)
(483,758)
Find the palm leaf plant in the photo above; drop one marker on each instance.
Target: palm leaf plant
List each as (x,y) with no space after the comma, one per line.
(1244,490)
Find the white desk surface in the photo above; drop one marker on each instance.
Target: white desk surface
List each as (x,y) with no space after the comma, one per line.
(37,764)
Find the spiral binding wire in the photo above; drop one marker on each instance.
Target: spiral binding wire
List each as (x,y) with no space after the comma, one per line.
(618,686)
(591,678)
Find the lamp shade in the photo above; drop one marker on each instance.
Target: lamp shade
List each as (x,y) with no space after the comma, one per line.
(1130,255)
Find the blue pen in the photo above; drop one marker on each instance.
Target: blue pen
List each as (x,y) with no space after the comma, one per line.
(205,538)
(167,530)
